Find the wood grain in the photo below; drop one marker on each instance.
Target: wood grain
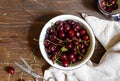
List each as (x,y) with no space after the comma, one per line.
(22,20)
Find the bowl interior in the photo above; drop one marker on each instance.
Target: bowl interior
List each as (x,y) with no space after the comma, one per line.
(62,18)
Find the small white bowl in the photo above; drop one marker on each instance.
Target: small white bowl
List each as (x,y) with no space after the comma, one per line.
(62,18)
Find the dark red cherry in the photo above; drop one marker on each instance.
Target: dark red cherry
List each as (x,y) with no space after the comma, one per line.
(75,42)
(51,30)
(61,34)
(68,45)
(83,50)
(46,43)
(86,37)
(77,34)
(79,57)
(67,28)
(76,27)
(60,28)
(52,38)
(10,70)
(71,33)
(115,6)
(63,57)
(59,23)
(65,63)
(71,22)
(82,31)
(52,47)
(52,57)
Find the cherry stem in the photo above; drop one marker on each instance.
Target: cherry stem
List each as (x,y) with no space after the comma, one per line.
(58,61)
(33,58)
(60,40)
(21,75)
(52,42)
(9,77)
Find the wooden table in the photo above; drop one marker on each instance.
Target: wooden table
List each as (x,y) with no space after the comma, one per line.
(22,20)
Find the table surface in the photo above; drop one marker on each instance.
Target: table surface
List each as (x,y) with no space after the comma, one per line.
(21,22)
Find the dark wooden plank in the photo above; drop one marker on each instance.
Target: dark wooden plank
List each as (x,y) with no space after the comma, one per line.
(22,20)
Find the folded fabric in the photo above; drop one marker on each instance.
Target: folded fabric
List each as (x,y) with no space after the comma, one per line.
(108,33)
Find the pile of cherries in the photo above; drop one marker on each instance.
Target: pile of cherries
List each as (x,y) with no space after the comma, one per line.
(109,5)
(66,42)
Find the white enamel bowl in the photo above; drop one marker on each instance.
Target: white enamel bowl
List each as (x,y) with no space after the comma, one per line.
(62,18)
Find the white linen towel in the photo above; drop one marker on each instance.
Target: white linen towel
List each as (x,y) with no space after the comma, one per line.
(108,33)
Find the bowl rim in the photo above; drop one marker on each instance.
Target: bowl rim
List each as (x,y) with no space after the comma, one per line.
(67,17)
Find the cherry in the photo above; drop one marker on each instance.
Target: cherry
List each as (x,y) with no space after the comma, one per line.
(85,37)
(74,53)
(59,42)
(115,6)
(81,45)
(56,52)
(46,43)
(82,31)
(61,34)
(60,28)
(71,22)
(71,57)
(83,50)
(52,47)
(75,42)
(77,34)
(10,70)
(76,27)
(68,45)
(67,28)
(64,57)
(51,30)
(67,39)
(59,23)
(65,63)
(52,57)
(109,9)
(52,38)
(71,33)
(79,57)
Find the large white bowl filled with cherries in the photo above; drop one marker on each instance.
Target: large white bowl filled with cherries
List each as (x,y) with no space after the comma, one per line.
(66,42)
